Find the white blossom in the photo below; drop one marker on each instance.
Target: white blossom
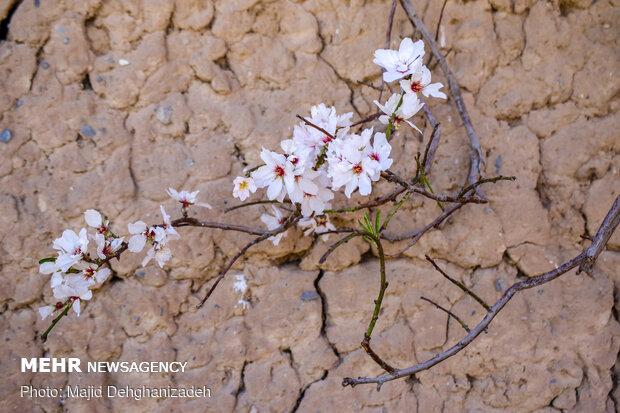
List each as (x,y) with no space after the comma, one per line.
(274,221)
(243,187)
(94,220)
(409,107)
(420,82)
(143,233)
(351,166)
(186,198)
(318,224)
(171,233)
(380,155)
(160,252)
(240,286)
(46,311)
(71,247)
(106,247)
(398,64)
(91,271)
(276,174)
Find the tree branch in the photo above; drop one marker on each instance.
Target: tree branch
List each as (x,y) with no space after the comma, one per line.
(588,256)
(455,90)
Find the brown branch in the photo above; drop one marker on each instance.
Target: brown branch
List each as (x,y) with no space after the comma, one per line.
(450,313)
(193,222)
(433,143)
(388,37)
(459,284)
(587,257)
(377,202)
(600,240)
(455,90)
(368,84)
(368,118)
(418,234)
(290,220)
(307,122)
(443,7)
(247,204)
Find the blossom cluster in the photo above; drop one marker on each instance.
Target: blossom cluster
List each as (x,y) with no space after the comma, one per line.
(75,272)
(324,155)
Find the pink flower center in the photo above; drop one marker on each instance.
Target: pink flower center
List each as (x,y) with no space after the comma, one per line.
(375,157)
(357,169)
(150,234)
(279,171)
(416,87)
(89,272)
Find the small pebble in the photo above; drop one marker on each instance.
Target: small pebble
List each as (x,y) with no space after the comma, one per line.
(498,164)
(19,103)
(45,65)
(123,62)
(5,136)
(65,40)
(164,114)
(87,130)
(37,3)
(498,285)
(309,295)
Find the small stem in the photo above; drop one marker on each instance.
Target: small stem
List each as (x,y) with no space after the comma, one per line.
(247,204)
(484,181)
(388,131)
(307,122)
(339,243)
(393,211)
(459,284)
(450,313)
(384,284)
(56,320)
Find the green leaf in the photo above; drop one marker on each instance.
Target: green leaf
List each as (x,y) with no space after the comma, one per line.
(363,225)
(48,259)
(378,222)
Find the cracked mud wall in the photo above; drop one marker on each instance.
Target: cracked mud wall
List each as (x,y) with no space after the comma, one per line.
(104,104)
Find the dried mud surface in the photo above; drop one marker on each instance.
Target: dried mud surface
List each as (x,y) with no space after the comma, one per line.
(207,84)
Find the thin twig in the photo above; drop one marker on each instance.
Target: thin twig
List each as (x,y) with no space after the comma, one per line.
(375,316)
(443,7)
(587,257)
(459,284)
(193,222)
(307,122)
(450,313)
(370,85)
(433,143)
(418,234)
(56,320)
(377,202)
(454,86)
(294,217)
(368,118)
(339,243)
(388,37)
(247,204)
